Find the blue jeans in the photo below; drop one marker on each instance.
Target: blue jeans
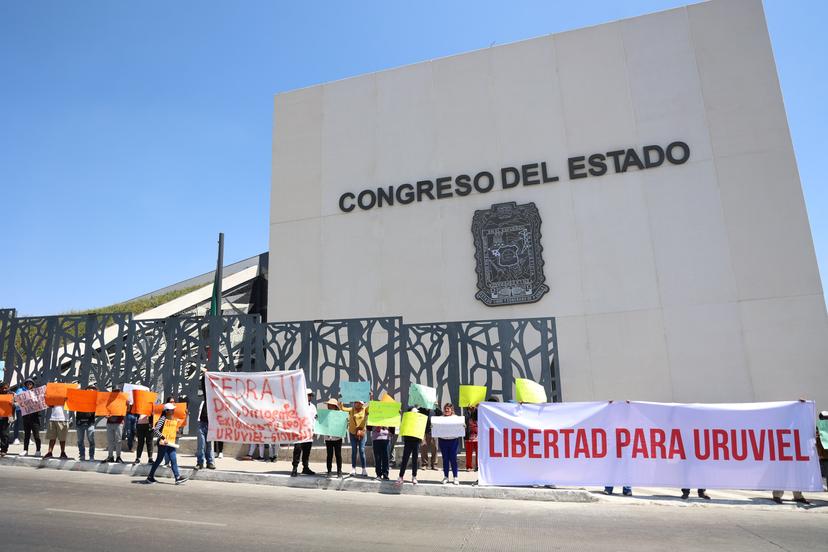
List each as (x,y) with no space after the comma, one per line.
(203,446)
(625,489)
(86,432)
(130,423)
(358,444)
(448,450)
(165,452)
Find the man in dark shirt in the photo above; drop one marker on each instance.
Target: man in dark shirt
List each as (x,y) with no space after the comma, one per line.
(85,427)
(204,448)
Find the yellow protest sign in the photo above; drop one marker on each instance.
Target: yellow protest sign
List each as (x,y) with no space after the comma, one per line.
(170,431)
(472,395)
(413,425)
(384,414)
(527,391)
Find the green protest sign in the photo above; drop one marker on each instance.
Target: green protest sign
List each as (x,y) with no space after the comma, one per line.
(822,425)
(422,395)
(384,414)
(333,423)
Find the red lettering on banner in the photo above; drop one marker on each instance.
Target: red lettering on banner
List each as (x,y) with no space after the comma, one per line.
(599,446)
(534,442)
(267,391)
(720,445)
(639,444)
(677,445)
(518,444)
(251,390)
(771,444)
(218,405)
(782,444)
(492,452)
(581,447)
(757,448)
(734,445)
(566,434)
(622,439)
(798,448)
(697,444)
(550,442)
(657,440)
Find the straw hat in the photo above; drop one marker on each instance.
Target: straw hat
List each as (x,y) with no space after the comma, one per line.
(332,402)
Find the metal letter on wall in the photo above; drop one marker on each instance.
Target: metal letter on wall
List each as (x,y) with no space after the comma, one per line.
(508,252)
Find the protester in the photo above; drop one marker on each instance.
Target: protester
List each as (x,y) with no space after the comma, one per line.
(429,445)
(303,448)
(448,450)
(333,445)
(251,450)
(143,432)
(85,429)
(470,442)
(18,417)
(165,450)
(31,425)
(411,446)
(357,419)
(625,490)
(114,430)
(392,445)
(822,449)
(4,425)
(798,497)
(203,449)
(379,442)
(58,431)
(218,449)
(130,423)
(685,494)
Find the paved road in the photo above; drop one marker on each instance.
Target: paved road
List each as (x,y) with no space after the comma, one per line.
(52,510)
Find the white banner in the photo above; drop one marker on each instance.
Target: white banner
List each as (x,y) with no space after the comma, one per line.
(448,427)
(258,407)
(761,446)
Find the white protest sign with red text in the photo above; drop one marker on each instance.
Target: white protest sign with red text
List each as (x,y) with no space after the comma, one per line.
(258,407)
(33,400)
(762,446)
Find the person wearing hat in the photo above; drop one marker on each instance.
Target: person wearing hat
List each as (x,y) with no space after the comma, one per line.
(85,428)
(31,425)
(165,450)
(303,448)
(357,420)
(333,445)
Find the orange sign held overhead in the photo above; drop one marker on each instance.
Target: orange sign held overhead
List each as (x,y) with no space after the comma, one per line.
(56,392)
(6,405)
(111,403)
(143,402)
(180,412)
(78,400)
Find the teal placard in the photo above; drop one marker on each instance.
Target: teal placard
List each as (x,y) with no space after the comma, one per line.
(822,425)
(333,423)
(355,391)
(422,395)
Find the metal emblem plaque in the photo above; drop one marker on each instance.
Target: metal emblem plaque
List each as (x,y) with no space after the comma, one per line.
(507,249)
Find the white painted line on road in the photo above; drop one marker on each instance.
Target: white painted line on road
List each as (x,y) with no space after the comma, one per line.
(106,514)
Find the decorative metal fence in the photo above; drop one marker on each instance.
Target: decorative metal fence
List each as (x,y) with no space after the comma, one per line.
(168,354)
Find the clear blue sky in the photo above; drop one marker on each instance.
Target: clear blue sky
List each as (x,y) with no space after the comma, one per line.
(131,133)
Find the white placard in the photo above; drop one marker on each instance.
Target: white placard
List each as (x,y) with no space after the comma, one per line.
(448,427)
(130,387)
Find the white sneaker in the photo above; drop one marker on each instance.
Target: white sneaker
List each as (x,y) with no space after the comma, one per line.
(221,455)
(25,453)
(445,480)
(353,472)
(456,481)
(16,442)
(399,482)
(364,472)
(413,480)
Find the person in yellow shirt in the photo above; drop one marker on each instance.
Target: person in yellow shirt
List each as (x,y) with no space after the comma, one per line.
(357,420)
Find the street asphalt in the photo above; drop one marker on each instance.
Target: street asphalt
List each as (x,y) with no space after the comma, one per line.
(55,510)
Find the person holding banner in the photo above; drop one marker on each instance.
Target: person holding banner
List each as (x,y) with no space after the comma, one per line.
(58,431)
(204,450)
(165,448)
(303,448)
(85,429)
(31,425)
(333,445)
(379,442)
(144,435)
(4,425)
(470,441)
(429,444)
(357,418)
(685,494)
(114,431)
(448,450)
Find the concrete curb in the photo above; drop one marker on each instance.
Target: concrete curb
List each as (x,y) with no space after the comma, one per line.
(313,482)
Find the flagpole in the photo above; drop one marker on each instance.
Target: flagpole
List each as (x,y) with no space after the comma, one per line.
(215,303)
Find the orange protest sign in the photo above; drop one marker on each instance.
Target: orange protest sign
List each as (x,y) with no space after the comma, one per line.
(170,431)
(56,392)
(111,403)
(78,400)
(180,412)
(6,405)
(143,402)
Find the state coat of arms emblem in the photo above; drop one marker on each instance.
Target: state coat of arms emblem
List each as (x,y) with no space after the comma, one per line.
(507,244)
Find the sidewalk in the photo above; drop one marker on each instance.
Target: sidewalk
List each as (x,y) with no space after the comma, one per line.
(231,470)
